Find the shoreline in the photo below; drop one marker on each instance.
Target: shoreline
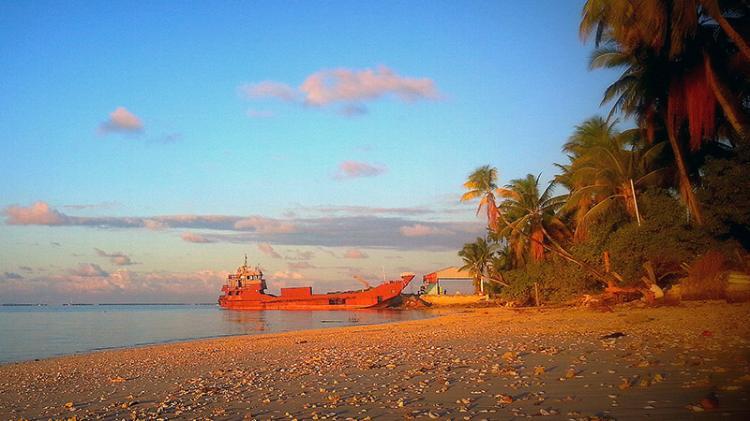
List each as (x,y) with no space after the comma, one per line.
(227,336)
(480,363)
(361,320)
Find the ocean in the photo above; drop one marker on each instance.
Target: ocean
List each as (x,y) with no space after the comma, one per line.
(33,332)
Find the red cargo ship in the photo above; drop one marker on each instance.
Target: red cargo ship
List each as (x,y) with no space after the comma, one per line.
(245,290)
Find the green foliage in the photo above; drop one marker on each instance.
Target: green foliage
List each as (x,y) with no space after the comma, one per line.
(672,58)
(665,238)
(726,196)
(529,213)
(477,257)
(557,280)
(598,236)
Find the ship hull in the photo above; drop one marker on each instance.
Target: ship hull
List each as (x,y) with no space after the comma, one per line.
(303,299)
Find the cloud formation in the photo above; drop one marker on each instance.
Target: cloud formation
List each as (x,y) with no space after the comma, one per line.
(266,249)
(38,213)
(299,255)
(264,225)
(121,120)
(116,258)
(192,237)
(301,265)
(347,88)
(286,274)
(269,89)
(346,85)
(355,169)
(102,205)
(420,230)
(86,270)
(88,283)
(355,254)
(351,230)
(369,210)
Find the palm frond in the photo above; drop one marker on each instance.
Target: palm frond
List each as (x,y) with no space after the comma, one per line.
(470,195)
(600,209)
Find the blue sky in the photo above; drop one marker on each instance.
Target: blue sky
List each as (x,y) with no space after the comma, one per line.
(439,88)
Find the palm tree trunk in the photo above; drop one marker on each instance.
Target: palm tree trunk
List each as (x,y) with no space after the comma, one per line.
(686,187)
(558,250)
(635,203)
(713,9)
(730,107)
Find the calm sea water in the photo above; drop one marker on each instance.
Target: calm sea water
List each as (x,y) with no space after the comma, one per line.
(28,332)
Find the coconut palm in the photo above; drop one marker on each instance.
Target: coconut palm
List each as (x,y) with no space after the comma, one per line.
(530,218)
(595,131)
(610,172)
(683,69)
(514,229)
(592,132)
(482,184)
(500,261)
(477,257)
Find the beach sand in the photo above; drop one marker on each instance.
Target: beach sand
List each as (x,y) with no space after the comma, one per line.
(683,362)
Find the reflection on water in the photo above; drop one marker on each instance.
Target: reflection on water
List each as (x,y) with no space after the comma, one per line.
(252,321)
(40,332)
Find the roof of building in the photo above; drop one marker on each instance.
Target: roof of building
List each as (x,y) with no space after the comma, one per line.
(451,272)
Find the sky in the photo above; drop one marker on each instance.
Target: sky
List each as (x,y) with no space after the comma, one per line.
(148,146)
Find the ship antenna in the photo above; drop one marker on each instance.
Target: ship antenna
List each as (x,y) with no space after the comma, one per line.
(245,259)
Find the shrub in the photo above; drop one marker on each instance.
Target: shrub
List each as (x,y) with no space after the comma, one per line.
(705,277)
(557,281)
(665,238)
(725,195)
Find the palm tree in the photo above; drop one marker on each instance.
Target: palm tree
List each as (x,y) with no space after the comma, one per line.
(477,257)
(482,183)
(515,227)
(530,217)
(500,261)
(593,132)
(712,9)
(681,60)
(609,172)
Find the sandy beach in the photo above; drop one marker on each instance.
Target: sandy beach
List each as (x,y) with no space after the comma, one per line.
(684,362)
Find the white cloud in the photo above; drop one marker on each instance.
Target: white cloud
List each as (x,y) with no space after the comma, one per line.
(355,254)
(348,89)
(356,169)
(121,120)
(420,230)
(269,89)
(285,274)
(264,225)
(266,249)
(39,213)
(395,228)
(346,85)
(88,283)
(88,270)
(192,237)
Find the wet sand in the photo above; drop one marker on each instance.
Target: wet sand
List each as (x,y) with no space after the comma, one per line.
(685,362)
